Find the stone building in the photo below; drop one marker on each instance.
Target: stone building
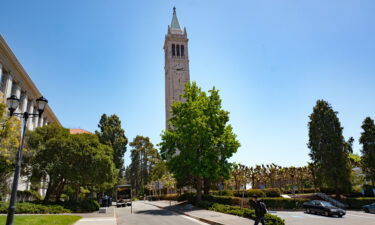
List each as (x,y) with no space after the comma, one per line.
(176,64)
(14,80)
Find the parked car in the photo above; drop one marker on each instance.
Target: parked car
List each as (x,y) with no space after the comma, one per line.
(369,208)
(323,208)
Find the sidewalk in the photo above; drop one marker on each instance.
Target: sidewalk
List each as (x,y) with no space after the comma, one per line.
(203,215)
(108,218)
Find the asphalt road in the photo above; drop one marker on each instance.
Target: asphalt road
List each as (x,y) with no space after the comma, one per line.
(144,214)
(351,218)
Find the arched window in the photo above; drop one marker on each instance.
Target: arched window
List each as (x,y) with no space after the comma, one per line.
(173,50)
(178,50)
(182,51)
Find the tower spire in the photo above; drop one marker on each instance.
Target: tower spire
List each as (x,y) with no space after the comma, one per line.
(175,24)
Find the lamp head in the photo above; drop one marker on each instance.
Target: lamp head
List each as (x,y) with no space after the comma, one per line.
(13,103)
(41,104)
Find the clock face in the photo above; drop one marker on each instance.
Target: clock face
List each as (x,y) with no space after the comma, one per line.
(178,67)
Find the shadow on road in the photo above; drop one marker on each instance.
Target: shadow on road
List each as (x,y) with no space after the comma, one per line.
(155,212)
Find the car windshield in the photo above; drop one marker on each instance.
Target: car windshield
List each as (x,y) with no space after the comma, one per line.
(327,204)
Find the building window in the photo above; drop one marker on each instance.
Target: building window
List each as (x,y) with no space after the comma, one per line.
(182,51)
(178,50)
(173,50)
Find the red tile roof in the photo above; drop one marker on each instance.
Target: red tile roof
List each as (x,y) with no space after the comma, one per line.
(79,131)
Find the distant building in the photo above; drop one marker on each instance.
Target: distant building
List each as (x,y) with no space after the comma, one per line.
(14,80)
(79,131)
(176,64)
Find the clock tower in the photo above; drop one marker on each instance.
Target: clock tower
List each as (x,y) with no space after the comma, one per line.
(176,64)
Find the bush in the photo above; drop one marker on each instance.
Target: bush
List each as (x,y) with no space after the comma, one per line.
(170,197)
(226,200)
(272,192)
(82,206)
(357,203)
(34,208)
(249,193)
(284,203)
(244,212)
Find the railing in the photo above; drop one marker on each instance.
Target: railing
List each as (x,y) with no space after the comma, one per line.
(332,200)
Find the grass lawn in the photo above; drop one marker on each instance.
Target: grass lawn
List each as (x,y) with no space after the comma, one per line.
(42,220)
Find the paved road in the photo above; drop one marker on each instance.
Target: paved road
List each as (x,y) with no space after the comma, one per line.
(144,214)
(351,218)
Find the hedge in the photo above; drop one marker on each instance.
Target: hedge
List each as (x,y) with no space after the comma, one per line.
(284,203)
(244,212)
(357,203)
(52,208)
(32,208)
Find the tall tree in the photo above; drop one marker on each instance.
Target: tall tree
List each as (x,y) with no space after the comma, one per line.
(328,149)
(78,160)
(144,156)
(112,134)
(368,149)
(200,140)
(9,142)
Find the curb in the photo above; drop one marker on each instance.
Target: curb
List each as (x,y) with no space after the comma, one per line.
(186,214)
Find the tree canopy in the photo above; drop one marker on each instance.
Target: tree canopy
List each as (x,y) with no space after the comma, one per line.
(112,134)
(368,149)
(328,149)
(78,160)
(199,141)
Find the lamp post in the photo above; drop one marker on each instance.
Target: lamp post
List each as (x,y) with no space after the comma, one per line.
(13,103)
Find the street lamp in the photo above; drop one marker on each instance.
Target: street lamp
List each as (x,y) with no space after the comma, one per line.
(13,103)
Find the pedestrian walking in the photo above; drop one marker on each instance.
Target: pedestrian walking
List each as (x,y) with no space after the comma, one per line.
(260,210)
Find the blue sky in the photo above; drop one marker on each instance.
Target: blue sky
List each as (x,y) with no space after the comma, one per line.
(270,59)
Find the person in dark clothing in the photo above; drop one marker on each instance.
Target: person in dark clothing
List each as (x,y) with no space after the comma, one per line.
(260,210)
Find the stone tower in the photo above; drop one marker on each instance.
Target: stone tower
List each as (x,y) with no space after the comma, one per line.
(176,64)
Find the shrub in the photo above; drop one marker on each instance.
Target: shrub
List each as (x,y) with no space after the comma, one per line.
(249,193)
(244,212)
(227,193)
(226,200)
(34,208)
(171,197)
(82,206)
(357,203)
(284,203)
(368,190)
(272,192)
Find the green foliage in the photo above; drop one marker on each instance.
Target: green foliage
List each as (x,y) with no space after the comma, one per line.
(143,159)
(39,207)
(357,203)
(9,142)
(367,140)
(34,208)
(272,192)
(284,203)
(112,134)
(243,212)
(83,206)
(200,140)
(76,160)
(327,145)
(249,193)
(28,195)
(368,189)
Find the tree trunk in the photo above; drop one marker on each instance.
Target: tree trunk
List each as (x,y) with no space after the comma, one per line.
(199,190)
(49,192)
(60,189)
(206,188)
(76,194)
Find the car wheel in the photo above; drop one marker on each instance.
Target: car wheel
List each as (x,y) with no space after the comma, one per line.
(340,216)
(326,213)
(366,210)
(308,211)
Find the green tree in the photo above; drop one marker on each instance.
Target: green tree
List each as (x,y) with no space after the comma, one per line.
(367,140)
(9,142)
(78,160)
(200,140)
(143,157)
(112,134)
(328,149)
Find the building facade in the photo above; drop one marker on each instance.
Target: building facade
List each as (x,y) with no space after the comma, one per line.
(14,80)
(176,64)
